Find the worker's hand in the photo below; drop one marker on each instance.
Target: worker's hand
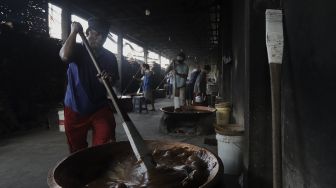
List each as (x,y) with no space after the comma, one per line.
(76,27)
(104,76)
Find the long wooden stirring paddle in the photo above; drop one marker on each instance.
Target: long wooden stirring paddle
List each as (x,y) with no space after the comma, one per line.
(137,143)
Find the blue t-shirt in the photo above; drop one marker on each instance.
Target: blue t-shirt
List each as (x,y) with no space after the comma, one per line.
(84,93)
(147,84)
(193,76)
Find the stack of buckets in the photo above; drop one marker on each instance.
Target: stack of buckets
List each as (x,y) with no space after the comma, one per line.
(61,120)
(229,140)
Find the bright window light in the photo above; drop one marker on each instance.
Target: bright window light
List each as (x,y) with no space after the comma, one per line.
(164,62)
(83,22)
(152,56)
(54,21)
(111,43)
(133,51)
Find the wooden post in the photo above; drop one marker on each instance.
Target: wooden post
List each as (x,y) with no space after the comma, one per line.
(146,54)
(160,61)
(274,44)
(120,58)
(275,72)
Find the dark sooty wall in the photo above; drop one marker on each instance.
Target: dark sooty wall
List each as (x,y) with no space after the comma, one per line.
(238,76)
(260,143)
(32,80)
(246,84)
(30,15)
(309,90)
(225,50)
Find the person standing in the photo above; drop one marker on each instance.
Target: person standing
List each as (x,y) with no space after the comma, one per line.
(86,105)
(147,84)
(170,83)
(191,83)
(201,83)
(180,71)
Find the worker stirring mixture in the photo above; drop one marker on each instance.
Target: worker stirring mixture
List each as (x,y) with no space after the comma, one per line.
(175,168)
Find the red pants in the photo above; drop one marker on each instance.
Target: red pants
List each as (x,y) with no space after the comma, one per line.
(76,128)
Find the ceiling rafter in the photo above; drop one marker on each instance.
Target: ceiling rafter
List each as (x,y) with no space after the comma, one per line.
(171,26)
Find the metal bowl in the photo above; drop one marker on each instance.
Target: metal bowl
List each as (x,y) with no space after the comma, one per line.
(84,166)
(189,110)
(199,117)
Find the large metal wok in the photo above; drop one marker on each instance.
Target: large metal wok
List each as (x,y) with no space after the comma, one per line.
(189,111)
(199,117)
(84,166)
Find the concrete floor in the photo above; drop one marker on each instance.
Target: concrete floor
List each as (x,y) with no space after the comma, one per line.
(27,157)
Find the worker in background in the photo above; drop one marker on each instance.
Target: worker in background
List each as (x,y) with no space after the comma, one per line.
(148,84)
(86,104)
(180,71)
(191,83)
(201,83)
(170,83)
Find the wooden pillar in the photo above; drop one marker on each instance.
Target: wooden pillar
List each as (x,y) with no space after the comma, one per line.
(160,59)
(146,54)
(65,22)
(120,58)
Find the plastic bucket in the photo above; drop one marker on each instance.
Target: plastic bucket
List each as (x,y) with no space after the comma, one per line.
(230,151)
(223,113)
(61,120)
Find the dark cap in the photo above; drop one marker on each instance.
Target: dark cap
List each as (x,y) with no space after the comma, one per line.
(99,25)
(207,67)
(181,54)
(145,65)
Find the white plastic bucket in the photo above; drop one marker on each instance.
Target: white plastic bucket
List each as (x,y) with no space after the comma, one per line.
(230,152)
(61,120)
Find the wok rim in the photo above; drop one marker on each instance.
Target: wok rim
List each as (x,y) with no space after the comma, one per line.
(212,181)
(207,110)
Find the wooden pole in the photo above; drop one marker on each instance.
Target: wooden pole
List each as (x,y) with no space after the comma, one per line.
(274,43)
(120,59)
(275,72)
(137,143)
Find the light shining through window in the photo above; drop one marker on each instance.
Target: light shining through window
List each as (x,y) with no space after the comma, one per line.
(54,21)
(111,43)
(133,51)
(83,22)
(164,62)
(152,56)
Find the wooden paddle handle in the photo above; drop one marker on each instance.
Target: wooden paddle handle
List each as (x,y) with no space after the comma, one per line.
(137,143)
(275,72)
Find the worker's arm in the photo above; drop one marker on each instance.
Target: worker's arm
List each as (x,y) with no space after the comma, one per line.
(110,73)
(182,75)
(170,67)
(68,48)
(137,79)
